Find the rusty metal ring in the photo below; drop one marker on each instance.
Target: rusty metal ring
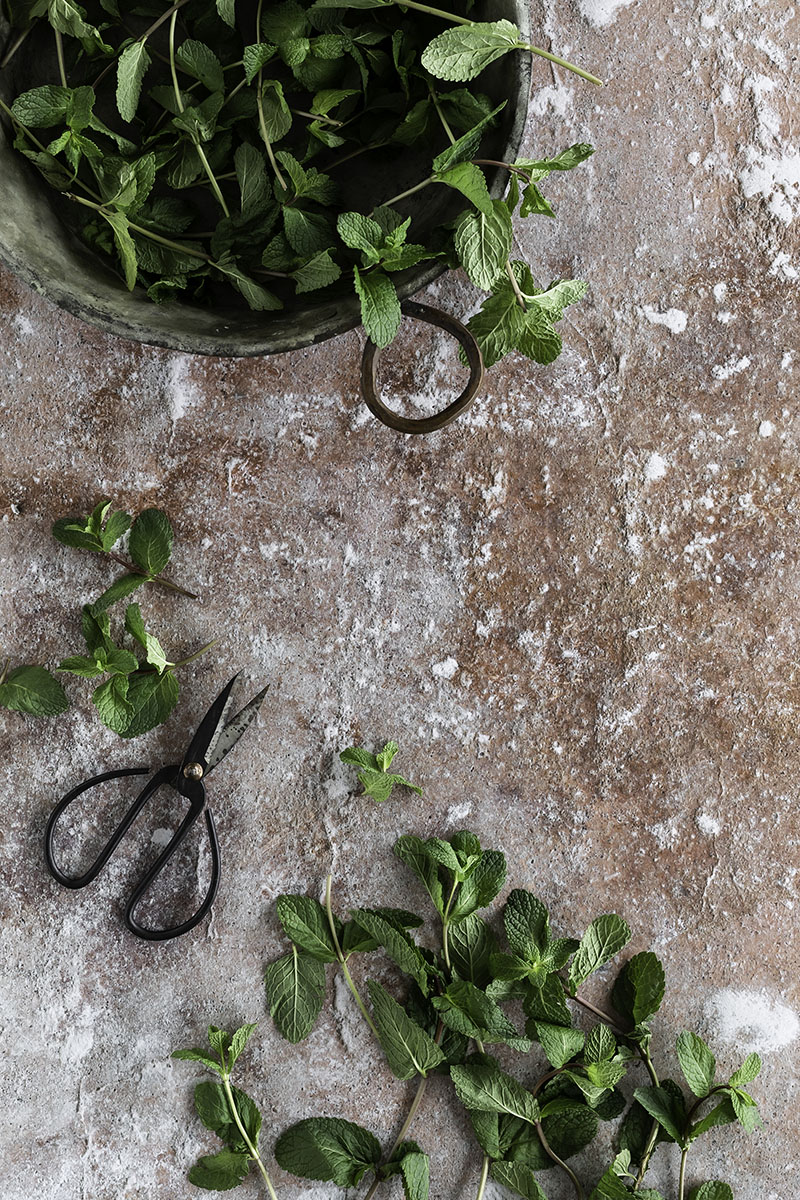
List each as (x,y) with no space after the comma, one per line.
(369,366)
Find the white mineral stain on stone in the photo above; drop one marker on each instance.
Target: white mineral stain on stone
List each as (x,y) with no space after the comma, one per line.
(601,12)
(766,429)
(708,824)
(23,325)
(674,318)
(782,265)
(731,366)
(445,669)
(752,1020)
(655,467)
(557,98)
(182,392)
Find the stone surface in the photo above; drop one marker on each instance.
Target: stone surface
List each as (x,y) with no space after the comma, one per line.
(576,610)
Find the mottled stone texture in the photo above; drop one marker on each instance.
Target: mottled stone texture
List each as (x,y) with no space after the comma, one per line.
(576,610)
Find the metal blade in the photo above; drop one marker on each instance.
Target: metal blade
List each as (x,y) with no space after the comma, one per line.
(227,738)
(208,728)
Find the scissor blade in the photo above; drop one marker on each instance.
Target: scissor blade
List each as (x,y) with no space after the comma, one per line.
(227,738)
(209,727)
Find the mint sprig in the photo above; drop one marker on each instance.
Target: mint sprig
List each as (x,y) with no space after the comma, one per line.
(374,775)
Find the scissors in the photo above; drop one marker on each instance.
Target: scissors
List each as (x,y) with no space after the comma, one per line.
(214,738)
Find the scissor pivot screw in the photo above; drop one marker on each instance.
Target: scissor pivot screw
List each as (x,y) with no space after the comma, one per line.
(193,771)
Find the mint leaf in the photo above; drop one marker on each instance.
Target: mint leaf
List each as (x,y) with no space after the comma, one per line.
(471,944)
(604,938)
(639,988)
(408,1048)
(415,1173)
(220,1172)
(239,1041)
(697,1063)
(747,1072)
(126,585)
(328,1149)
(150,542)
(559,1044)
(380,306)
(397,944)
(658,1102)
(462,53)
(133,704)
(214,1111)
(306,924)
(483,243)
(488,1089)
(33,690)
(295,987)
(517,1178)
(713,1190)
(131,69)
(195,1054)
(412,851)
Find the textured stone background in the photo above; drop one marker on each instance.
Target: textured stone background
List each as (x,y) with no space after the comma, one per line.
(576,610)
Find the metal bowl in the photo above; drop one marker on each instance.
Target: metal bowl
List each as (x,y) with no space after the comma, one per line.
(41,249)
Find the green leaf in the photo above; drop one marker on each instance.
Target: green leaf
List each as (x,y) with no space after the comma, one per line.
(481,887)
(659,1104)
(713,1190)
(68,17)
(518,1178)
(214,1111)
(639,988)
(117,524)
(397,944)
(239,1041)
(466,147)
(471,943)
(488,1089)
(559,1044)
(415,1173)
(600,1045)
(697,1063)
(466,1009)
(131,68)
(42,107)
(220,1172)
(526,923)
(133,704)
(318,272)
(33,690)
(150,644)
(196,1054)
(569,1126)
(150,543)
(251,175)
(201,62)
(745,1108)
(461,53)
(747,1072)
(380,306)
(295,987)
(721,1114)
(408,1049)
(306,924)
(227,11)
(470,180)
(328,1149)
(604,938)
(483,243)
(118,590)
(125,245)
(412,851)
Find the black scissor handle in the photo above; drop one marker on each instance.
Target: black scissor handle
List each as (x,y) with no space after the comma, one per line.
(79,881)
(163,935)
(369,367)
(194,791)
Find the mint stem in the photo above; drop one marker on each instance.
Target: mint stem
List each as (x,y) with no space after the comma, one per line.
(262,124)
(484,1177)
(559,1162)
(343,961)
(167,583)
(14,47)
(62,70)
(252,1149)
(179,101)
(165,16)
(682,1178)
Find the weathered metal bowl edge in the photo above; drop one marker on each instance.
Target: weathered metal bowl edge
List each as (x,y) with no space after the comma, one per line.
(40,251)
